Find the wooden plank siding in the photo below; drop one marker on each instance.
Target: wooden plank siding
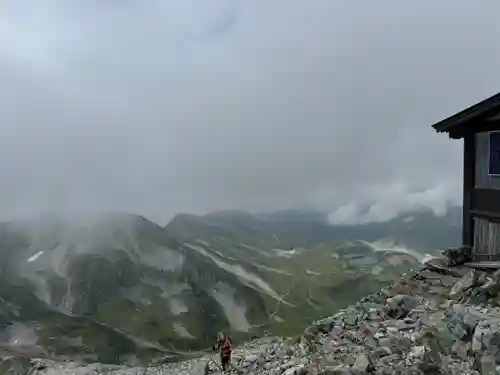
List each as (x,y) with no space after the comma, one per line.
(486,240)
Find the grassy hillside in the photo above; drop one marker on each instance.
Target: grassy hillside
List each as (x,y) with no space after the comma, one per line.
(119,287)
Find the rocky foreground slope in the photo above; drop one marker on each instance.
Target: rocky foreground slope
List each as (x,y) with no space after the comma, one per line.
(440,320)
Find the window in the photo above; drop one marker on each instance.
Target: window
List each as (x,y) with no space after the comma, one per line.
(494,162)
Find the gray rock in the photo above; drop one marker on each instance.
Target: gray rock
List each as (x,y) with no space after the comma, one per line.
(363,363)
(457,255)
(488,365)
(399,306)
(485,336)
(297,370)
(251,358)
(464,284)
(352,317)
(461,321)
(410,328)
(16,366)
(382,351)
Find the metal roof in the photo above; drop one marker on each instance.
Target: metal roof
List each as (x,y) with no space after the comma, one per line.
(478,111)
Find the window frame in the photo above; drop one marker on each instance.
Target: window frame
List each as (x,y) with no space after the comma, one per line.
(494,132)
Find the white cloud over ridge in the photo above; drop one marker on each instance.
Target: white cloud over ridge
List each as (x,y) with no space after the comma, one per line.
(396,199)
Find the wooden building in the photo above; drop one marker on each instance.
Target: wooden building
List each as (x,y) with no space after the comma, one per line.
(479,127)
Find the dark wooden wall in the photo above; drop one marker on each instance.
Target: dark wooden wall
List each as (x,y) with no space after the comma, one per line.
(468,186)
(486,203)
(481,207)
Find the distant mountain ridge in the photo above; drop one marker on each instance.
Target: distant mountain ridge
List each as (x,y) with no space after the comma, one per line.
(121,288)
(420,229)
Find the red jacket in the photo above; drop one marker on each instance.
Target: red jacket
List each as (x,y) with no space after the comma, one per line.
(225,346)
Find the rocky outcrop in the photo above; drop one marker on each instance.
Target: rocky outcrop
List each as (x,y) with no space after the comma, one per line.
(442,321)
(456,256)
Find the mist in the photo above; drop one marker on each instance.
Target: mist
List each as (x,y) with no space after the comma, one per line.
(158,107)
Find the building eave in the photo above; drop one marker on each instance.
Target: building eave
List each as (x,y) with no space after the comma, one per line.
(477,112)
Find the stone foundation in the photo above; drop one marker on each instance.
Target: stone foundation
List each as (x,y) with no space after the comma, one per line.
(456,256)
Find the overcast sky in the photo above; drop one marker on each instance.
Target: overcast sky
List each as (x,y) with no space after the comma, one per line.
(161,106)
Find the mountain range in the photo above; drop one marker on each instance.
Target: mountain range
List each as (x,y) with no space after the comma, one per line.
(120,288)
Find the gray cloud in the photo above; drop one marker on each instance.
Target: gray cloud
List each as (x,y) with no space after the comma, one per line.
(158,106)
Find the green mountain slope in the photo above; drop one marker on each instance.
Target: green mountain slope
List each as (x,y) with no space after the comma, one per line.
(122,272)
(121,288)
(318,267)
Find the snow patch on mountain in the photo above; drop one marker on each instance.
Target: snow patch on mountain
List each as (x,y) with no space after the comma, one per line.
(177,307)
(388,245)
(376,270)
(271,269)
(182,331)
(35,256)
(246,277)
(163,258)
(286,253)
(136,295)
(20,334)
(235,313)
(312,273)
(256,249)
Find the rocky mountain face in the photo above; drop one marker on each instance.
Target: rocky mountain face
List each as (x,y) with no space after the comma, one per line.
(108,289)
(121,289)
(439,320)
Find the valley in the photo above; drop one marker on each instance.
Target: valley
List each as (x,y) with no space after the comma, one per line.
(121,289)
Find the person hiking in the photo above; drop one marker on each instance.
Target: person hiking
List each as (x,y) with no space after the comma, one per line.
(225,345)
